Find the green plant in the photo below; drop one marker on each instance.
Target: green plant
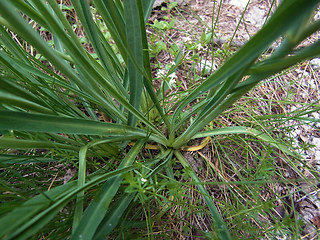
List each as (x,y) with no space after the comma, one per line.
(76,109)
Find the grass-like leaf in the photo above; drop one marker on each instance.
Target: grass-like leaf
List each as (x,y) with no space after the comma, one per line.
(91,102)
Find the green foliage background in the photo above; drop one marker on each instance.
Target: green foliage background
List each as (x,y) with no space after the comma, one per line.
(52,110)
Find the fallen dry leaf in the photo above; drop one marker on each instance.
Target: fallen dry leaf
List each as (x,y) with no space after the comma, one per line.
(316,221)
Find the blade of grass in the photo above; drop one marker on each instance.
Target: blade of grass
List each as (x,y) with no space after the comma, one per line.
(7,40)
(96,211)
(14,100)
(82,179)
(147,7)
(113,217)
(8,159)
(44,123)
(249,131)
(134,39)
(221,227)
(6,142)
(272,65)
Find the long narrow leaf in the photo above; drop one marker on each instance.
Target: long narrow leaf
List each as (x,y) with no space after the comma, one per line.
(249,131)
(8,159)
(45,123)
(134,39)
(96,211)
(220,225)
(112,218)
(27,144)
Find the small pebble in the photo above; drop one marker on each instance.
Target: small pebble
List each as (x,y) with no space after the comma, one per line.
(315,63)
(316,142)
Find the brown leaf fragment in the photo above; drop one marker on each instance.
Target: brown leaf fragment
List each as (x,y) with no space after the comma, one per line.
(316,221)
